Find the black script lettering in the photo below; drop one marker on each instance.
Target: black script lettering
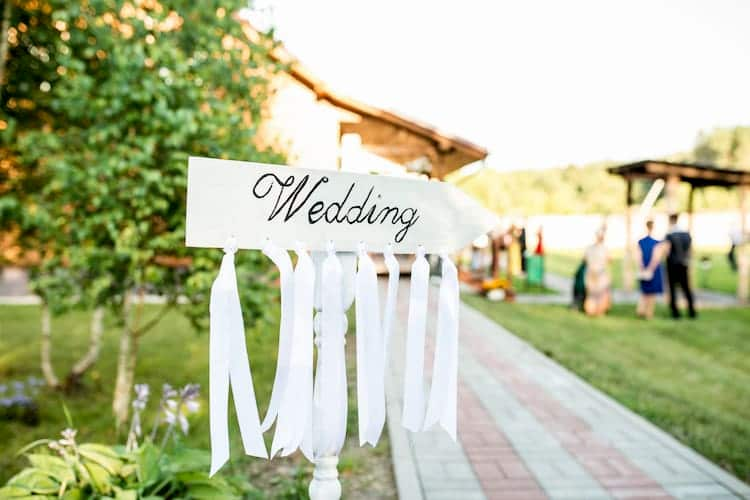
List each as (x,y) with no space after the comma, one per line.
(338,205)
(294,193)
(385,211)
(409,223)
(352,220)
(314,210)
(291,198)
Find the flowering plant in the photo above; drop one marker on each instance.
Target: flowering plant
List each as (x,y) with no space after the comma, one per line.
(17,400)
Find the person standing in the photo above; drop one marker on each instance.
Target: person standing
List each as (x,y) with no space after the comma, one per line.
(678,262)
(597,279)
(522,242)
(514,252)
(539,250)
(650,275)
(735,237)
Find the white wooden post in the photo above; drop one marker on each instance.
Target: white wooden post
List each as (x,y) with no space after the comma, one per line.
(672,194)
(743,264)
(256,203)
(325,484)
(627,260)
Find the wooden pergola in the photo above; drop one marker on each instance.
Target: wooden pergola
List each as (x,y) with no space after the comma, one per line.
(697,176)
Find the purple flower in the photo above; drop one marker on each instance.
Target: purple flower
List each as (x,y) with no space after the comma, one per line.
(142,392)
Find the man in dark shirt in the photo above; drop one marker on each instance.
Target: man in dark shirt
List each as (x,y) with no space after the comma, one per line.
(678,262)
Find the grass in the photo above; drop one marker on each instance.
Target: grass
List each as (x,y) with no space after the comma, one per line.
(718,277)
(691,378)
(176,354)
(521,286)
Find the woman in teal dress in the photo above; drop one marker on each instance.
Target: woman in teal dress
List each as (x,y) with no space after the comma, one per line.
(650,275)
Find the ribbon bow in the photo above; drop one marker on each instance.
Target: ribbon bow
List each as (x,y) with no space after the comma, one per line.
(229,365)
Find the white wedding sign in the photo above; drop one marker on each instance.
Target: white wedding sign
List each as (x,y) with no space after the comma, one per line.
(255,202)
(325,217)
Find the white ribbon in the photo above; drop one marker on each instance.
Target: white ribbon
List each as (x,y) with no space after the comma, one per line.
(442,403)
(330,401)
(229,364)
(281,260)
(389,313)
(413,415)
(370,353)
(295,413)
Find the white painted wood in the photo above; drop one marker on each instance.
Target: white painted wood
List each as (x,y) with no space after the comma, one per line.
(254,201)
(325,483)
(743,250)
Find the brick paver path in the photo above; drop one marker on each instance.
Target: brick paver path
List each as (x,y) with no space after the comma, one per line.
(529,429)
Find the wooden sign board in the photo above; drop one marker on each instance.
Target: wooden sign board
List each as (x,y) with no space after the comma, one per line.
(255,201)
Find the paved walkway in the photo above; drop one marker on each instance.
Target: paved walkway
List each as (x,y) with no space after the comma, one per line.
(529,429)
(564,288)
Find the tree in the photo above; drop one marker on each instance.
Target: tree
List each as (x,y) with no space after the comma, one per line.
(110,98)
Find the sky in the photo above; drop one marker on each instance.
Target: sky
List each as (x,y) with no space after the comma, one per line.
(539,83)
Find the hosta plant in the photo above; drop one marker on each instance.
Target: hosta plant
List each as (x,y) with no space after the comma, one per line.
(140,469)
(88,470)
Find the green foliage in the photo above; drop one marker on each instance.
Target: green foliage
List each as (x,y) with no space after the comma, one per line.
(106,100)
(568,190)
(172,348)
(724,147)
(591,190)
(86,470)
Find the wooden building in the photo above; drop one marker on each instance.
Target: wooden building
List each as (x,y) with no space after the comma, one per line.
(320,128)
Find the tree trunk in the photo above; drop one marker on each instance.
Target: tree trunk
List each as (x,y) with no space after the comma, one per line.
(46,348)
(125,368)
(95,343)
(4,41)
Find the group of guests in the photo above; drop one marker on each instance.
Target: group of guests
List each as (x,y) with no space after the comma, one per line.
(504,252)
(675,249)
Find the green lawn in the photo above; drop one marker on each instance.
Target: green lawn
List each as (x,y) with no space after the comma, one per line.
(176,354)
(521,286)
(691,378)
(718,277)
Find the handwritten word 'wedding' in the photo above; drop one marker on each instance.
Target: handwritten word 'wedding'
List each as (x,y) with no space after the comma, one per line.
(292,197)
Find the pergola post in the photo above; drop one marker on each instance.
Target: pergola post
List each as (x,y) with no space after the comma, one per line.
(690,209)
(696,175)
(627,260)
(743,263)
(690,226)
(671,192)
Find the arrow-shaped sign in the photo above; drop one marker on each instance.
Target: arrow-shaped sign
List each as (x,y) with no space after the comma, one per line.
(253,202)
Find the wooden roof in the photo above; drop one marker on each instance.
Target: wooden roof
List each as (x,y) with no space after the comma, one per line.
(699,175)
(385,133)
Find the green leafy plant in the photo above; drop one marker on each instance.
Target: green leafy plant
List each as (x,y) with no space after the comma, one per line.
(64,468)
(71,470)
(102,104)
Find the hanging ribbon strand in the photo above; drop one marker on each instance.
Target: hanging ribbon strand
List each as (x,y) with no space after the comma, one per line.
(295,413)
(389,313)
(370,352)
(330,380)
(229,364)
(281,260)
(442,403)
(413,415)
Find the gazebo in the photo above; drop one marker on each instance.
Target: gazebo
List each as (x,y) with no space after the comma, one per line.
(697,176)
